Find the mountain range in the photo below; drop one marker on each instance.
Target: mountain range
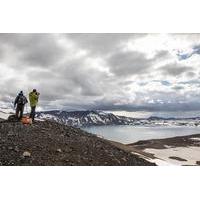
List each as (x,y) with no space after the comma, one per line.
(99,118)
(85,118)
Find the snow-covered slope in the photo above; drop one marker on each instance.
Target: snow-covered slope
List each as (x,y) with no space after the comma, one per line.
(5,112)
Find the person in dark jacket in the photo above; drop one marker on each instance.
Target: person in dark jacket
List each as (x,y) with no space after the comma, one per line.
(20,101)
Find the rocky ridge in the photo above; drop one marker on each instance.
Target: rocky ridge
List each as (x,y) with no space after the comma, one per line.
(47,143)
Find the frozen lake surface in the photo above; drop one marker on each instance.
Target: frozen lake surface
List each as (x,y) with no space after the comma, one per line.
(129,134)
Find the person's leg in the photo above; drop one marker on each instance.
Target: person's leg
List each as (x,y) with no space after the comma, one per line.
(33,113)
(17,112)
(21,111)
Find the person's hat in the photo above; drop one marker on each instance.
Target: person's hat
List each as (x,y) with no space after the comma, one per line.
(21,93)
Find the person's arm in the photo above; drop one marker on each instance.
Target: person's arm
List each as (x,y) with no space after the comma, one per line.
(26,100)
(16,100)
(29,96)
(37,96)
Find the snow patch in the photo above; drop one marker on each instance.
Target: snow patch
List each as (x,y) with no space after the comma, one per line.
(196,139)
(190,154)
(167,146)
(160,162)
(4,115)
(6,112)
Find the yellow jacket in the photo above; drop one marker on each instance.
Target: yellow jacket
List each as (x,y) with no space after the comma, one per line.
(33,98)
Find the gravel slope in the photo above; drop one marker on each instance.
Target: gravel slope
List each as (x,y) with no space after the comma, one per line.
(49,143)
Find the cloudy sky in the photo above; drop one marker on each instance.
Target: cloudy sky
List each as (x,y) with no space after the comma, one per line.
(131,72)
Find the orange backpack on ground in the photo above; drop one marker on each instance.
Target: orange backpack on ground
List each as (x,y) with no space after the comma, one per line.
(26,120)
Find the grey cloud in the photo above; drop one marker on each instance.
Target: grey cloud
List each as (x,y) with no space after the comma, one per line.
(190,82)
(125,83)
(72,77)
(190,74)
(129,63)
(187,106)
(161,55)
(175,69)
(104,43)
(186,36)
(178,87)
(33,49)
(84,78)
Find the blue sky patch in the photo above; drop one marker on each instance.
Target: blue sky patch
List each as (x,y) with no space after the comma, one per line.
(184,56)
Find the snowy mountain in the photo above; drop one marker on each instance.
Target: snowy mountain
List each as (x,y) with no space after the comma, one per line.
(85,118)
(97,118)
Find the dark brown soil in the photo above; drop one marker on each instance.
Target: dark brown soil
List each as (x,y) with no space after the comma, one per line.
(181,141)
(198,162)
(177,158)
(49,143)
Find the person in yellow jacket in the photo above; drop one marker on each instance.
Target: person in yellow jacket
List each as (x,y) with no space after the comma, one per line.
(33,99)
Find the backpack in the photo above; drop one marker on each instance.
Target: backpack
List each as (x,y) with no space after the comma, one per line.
(21,100)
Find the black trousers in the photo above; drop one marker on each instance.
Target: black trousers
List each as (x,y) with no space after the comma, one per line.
(19,111)
(32,114)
